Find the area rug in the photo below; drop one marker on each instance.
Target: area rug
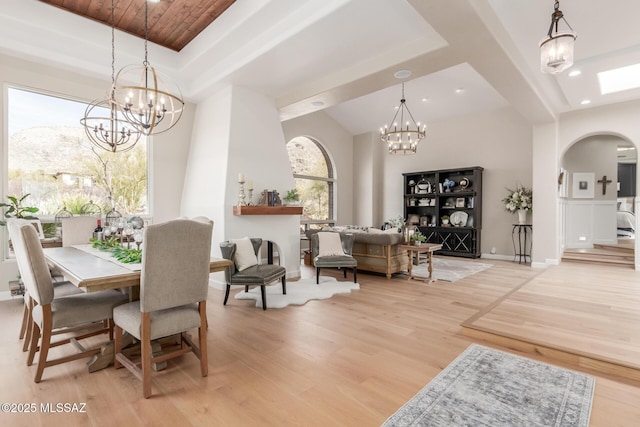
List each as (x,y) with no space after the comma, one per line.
(299,292)
(450,270)
(486,387)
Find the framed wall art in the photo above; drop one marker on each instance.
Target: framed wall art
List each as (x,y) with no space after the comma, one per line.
(583,185)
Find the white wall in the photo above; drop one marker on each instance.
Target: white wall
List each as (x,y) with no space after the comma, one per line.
(168,151)
(238,131)
(339,144)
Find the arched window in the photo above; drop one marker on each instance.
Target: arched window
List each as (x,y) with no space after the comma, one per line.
(313,174)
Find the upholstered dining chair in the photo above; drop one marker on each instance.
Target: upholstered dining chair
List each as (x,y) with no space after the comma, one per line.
(61,288)
(66,314)
(246,270)
(173,292)
(77,230)
(333,250)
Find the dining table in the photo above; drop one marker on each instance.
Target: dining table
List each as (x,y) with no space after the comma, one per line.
(92,270)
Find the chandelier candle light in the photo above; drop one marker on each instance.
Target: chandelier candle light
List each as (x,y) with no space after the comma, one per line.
(145,97)
(104,126)
(556,50)
(403,139)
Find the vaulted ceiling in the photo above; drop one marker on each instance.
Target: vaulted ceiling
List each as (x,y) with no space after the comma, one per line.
(340,56)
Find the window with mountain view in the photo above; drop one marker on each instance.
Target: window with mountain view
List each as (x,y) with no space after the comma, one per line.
(313,175)
(51,159)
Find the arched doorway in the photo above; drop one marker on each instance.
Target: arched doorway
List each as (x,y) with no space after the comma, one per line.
(598,200)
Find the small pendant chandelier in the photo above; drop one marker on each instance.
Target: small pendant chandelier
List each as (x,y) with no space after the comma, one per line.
(148,101)
(403,139)
(556,50)
(104,126)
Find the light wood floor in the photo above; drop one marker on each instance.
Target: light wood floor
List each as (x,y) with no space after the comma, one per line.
(351,360)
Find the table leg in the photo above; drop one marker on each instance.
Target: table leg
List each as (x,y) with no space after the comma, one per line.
(430,257)
(410,264)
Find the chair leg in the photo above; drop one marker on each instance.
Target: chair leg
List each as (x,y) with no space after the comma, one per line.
(344,270)
(226,294)
(202,333)
(29,331)
(45,341)
(263,291)
(25,320)
(117,332)
(145,350)
(317,275)
(284,285)
(33,346)
(355,274)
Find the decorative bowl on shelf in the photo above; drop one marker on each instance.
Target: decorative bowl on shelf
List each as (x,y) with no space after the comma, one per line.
(459,218)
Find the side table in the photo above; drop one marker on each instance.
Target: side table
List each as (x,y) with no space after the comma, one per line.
(424,248)
(522,249)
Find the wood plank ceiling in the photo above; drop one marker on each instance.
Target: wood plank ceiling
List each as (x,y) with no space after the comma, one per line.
(171,23)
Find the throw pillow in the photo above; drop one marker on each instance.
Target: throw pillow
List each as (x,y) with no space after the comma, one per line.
(244,257)
(329,244)
(393,230)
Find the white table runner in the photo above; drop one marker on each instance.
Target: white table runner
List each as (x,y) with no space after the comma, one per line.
(108,256)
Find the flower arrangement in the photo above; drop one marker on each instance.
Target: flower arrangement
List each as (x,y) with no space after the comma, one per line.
(520,198)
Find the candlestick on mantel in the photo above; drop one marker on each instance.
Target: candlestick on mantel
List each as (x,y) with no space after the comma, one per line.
(250,184)
(241,177)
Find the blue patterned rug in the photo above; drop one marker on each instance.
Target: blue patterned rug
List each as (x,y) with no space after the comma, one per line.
(486,387)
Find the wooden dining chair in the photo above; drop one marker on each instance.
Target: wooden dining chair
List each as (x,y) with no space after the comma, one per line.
(61,288)
(77,230)
(80,315)
(174,283)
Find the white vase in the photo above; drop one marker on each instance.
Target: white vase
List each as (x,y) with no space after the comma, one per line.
(522,216)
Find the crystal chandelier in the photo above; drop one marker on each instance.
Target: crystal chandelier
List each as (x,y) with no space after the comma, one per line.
(403,139)
(556,50)
(104,126)
(147,99)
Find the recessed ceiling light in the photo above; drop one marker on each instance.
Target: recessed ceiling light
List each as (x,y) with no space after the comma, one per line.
(317,103)
(619,79)
(402,74)
(460,90)
(574,73)
(585,102)
(396,107)
(425,99)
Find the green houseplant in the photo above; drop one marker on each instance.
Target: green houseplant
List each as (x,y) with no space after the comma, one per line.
(292,197)
(445,219)
(17,210)
(418,238)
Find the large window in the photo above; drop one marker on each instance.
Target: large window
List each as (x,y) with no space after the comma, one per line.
(313,175)
(50,158)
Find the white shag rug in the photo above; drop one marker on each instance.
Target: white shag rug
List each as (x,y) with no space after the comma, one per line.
(299,292)
(450,270)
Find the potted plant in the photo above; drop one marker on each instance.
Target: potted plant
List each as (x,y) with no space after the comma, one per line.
(292,198)
(519,200)
(17,210)
(445,219)
(418,238)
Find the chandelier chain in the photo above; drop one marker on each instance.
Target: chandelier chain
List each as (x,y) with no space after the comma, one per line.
(146,32)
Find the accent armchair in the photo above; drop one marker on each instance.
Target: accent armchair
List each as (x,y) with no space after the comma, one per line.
(333,250)
(246,270)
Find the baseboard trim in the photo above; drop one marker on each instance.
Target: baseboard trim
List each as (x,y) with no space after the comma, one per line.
(6,296)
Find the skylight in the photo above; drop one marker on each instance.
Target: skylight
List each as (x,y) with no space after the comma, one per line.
(619,79)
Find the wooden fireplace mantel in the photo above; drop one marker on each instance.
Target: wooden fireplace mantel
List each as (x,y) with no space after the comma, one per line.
(267,210)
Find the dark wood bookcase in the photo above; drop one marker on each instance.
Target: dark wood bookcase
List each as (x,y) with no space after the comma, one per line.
(428,198)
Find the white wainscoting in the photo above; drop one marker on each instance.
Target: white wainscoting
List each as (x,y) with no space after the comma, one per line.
(589,222)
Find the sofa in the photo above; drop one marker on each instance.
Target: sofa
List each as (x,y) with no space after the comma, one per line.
(376,250)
